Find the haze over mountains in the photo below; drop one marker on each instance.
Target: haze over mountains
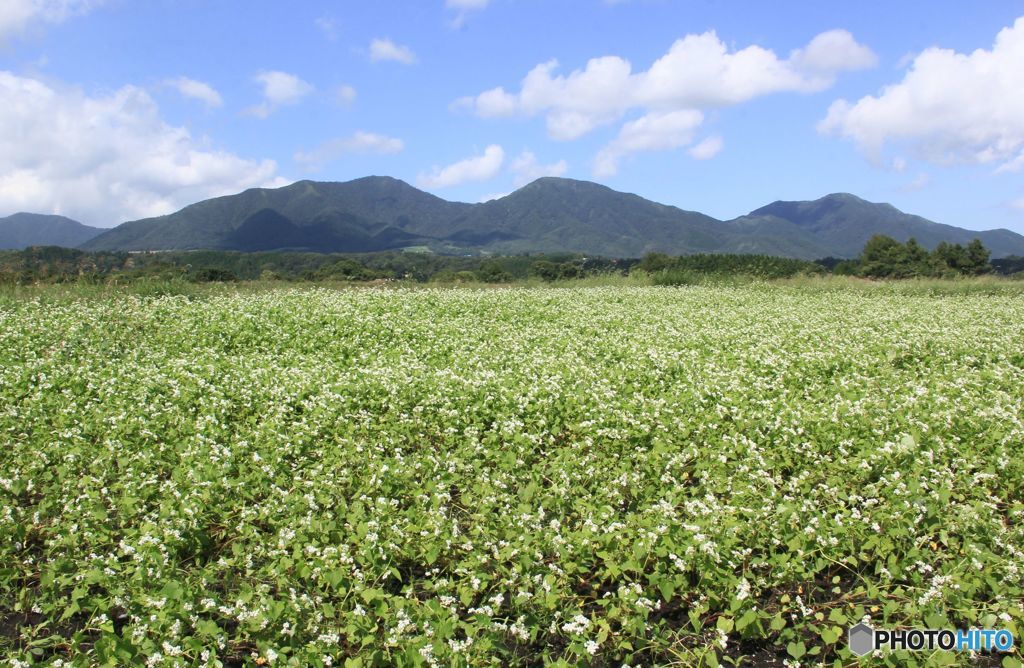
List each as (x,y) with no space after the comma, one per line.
(549,215)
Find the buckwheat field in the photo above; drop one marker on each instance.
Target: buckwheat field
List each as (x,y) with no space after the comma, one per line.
(600,476)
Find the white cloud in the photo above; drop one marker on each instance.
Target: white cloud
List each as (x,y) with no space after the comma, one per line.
(464,7)
(328,26)
(345,95)
(526,168)
(920,182)
(833,51)
(17,15)
(196,90)
(493,196)
(1018,204)
(279,89)
(478,168)
(657,131)
(360,142)
(697,72)
(385,49)
(949,108)
(109,158)
(707,149)
(1014,165)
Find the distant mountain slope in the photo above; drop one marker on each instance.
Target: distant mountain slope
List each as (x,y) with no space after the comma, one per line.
(549,215)
(562,214)
(22,230)
(310,215)
(843,223)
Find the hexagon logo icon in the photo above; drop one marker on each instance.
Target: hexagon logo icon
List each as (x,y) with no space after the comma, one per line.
(862,639)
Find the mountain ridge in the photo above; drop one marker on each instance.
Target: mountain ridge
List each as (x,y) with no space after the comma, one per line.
(550,214)
(20,230)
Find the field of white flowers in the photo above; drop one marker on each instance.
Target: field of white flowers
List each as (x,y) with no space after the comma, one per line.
(437,477)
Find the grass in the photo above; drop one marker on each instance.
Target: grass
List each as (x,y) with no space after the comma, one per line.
(982,285)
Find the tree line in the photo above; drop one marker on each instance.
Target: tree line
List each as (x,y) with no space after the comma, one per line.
(882,257)
(885,257)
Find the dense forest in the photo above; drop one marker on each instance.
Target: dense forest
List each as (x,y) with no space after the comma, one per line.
(882,257)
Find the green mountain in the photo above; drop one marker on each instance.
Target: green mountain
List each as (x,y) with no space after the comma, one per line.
(22,230)
(554,214)
(843,223)
(549,215)
(367,214)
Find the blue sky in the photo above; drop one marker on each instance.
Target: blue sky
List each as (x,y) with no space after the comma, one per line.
(120,109)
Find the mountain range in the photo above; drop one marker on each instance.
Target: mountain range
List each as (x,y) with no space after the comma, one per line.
(549,215)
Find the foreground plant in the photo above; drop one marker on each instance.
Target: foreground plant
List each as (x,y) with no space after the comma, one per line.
(400,477)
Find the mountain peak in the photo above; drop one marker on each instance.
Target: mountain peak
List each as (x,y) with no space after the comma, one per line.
(562,183)
(843,197)
(27,216)
(796,210)
(24,229)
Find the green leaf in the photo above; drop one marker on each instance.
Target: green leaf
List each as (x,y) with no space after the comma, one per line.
(829,635)
(796,649)
(746,619)
(371,595)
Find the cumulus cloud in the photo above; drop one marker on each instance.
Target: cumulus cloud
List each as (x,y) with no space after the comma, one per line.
(17,15)
(279,89)
(830,52)
(108,158)
(707,149)
(698,72)
(949,108)
(196,90)
(385,49)
(657,131)
(527,168)
(477,168)
(360,142)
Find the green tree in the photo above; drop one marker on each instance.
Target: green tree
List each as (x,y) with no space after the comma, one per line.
(949,259)
(492,272)
(653,262)
(545,270)
(977,257)
(881,257)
